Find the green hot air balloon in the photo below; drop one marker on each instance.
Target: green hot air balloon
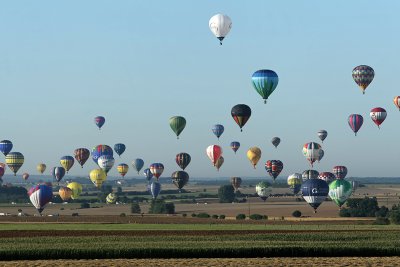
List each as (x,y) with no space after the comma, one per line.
(265,82)
(340,191)
(177,124)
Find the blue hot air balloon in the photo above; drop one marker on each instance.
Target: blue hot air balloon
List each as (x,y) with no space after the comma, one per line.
(40,195)
(314,192)
(148,174)
(218,130)
(101,150)
(6,146)
(119,148)
(138,164)
(265,82)
(99,121)
(235,146)
(155,189)
(58,173)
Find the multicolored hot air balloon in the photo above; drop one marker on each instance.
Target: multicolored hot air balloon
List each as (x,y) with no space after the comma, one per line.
(235,146)
(98,176)
(180,179)
(155,189)
(236,182)
(321,155)
(219,163)
(177,124)
(254,155)
(111,198)
(122,169)
(119,149)
(294,182)
(263,190)
(274,168)
(58,173)
(65,193)
(138,164)
(328,177)
(213,153)
(76,189)
(355,122)
(220,25)
(106,163)
(276,141)
(41,167)
(340,172)
(314,192)
(5,147)
(309,174)
(14,161)
(157,169)
(25,176)
(265,82)
(40,195)
(378,115)
(183,159)
(396,102)
(81,155)
(241,114)
(147,173)
(312,152)
(67,162)
(340,191)
(101,150)
(322,134)
(363,76)
(218,130)
(99,121)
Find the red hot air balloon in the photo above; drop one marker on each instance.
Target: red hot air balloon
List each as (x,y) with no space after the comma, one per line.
(214,152)
(355,122)
(378,115)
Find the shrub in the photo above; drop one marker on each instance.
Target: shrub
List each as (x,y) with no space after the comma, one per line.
(157,206)
(75,214)
(170,208)
(382,212)
(203,215)
(296,213)
(194,215)
(381,221)
(85,205)
(256,217)
(135,208)
(214,216)
(122,214)
(344,213)
(184,214)
(222,217)
(241,216)
(62,209)
(394,216)
(265,217)
(226,194)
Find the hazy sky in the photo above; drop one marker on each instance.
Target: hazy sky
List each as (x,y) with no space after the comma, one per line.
(140,62)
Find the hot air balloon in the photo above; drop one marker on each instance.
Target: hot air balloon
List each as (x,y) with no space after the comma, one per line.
(122,169)
(180,179)
(314,192)
(106,163)
(148,174)
(219,163)
(99,121)
(155,189)
(321,155)
(177,124)
(67,162)
(254,155)
(355,122)
(41,167)
(101,150)
(276,141)
(363,76)
(263,190)
(98,176)
(274,168)
(25,176)
(235,146)
(322,134)
(340,191)
(236,182)
(183,160)
(241,114)
(58,173)
(218,130)
(6,146)
(82,155)
(137,164)
(328,177)
(340,172)
(65,193)
(40,195)
(265,82)
(157,169)
(14,161)
(119,149)
(396,101)
(312,152)
(220,25)
(378,115)
(213,153)
(111,198)
(294,181)
(309,174)
(76,189)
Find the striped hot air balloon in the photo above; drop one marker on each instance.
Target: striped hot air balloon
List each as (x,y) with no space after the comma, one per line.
(322,134)
(312,152)
(111,198)
(82,155)
(265,82)
(214,152)
(340,172)
(363,76)
(314,192)
(183,159)
(157,169)
(122,169)
(6,146)
(340,191)
(241,113)
(236,182)
(274,168)
(58,173)
(309,174)
(40,195)
(14,161)
(67,162)
(294,182)
(235,146)
(355,122)
(177,124)
(328,177)
(180,179)
(99,121)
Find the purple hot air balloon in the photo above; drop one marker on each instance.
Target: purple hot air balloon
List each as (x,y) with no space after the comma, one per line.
(99,121)
(355,122)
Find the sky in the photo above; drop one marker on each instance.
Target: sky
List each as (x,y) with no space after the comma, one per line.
(138,63)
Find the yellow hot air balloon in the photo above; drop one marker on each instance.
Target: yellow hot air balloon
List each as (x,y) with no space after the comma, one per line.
(67,162)
(65,193)
(14,161)
(111,198)
(254,155)
(98,176)
(76,189)
(41,167)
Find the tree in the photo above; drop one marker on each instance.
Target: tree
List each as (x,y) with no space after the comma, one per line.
(394,216)
(85,205)
(226,194)
(170,208)
(241,216)
(135,208)
(361,207)
(296,213)
(157,206)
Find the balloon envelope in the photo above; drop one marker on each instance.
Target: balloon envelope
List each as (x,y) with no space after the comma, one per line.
(340,191)
(340,172)
(294,181)
(312,152)
(235,146)
(263,190)
(236,182)
(183,159)
(106,163)
(82,155)
(220,25)
(177,124)
(355,122)
(155,189)
(14,161)
(309,174)
(180,179)
(58,173)
(254,155)
(276,141)
(122,169)
(99,121)
(241,114)
(378,115)
(41,167)
(147,173)
(274,168)
(363,76)
(98,176)
(40,195)
(111,198)
(65,193)
(67,162)
(214,152)
(218,130)
(328,177)
(101,150)
(265,82)
(157,169)
(322,134)
(119,148)
(138,164)
(219,163)
(6,146)
(314,192)
(76,189)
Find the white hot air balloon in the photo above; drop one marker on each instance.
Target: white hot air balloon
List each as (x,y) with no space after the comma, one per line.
(220,25)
